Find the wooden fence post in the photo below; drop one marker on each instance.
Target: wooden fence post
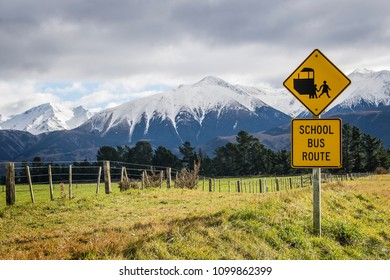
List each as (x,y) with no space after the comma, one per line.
(30,183)
(161,178)
(143,180)
(125,173)
(147,182)
(256,188)
(70,182)
(50,182)
(210,185)
(107,176)
(122,174)
(238,186)
(169,177)
(261,186)
(277,184)
(10,184)
(98,180)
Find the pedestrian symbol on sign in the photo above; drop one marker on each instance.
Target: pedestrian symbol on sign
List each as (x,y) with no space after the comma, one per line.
(325,88)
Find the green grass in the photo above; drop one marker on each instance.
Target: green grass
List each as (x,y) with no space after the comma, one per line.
(248,185)
(191,224)
(42,192)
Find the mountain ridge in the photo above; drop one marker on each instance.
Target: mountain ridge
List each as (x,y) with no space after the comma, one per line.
(47,117)
(209,113)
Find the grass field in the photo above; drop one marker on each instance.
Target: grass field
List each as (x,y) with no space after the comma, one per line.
(192,224)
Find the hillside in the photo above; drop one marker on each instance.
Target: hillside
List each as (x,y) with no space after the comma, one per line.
(181,224)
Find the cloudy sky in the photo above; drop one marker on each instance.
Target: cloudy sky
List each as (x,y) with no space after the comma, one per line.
(100,53)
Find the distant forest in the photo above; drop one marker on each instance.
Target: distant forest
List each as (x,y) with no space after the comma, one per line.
(248,156)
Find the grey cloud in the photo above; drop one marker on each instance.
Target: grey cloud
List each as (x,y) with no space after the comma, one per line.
(109,38)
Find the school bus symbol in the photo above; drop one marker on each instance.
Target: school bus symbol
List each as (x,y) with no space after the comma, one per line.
(305,85)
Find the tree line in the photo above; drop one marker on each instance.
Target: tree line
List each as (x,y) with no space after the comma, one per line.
(248,156)
(361,152)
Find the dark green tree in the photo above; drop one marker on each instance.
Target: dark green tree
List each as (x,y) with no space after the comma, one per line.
(385,159)
(107,153)
(189,155)
(37,162)
(282,163)
(245,143)
(347,157)
(164,157)
(207,165)
(127,154)
(372,149)
(356,150)
(252,154)
(225,160)
(142,153)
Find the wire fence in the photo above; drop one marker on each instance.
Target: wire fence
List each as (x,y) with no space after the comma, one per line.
(72,179)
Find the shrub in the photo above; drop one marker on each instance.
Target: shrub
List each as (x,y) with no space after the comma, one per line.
(128,184)
(63,191)
(153,179)
(188,179)
(381,170)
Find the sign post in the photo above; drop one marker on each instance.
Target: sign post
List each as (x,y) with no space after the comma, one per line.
(317,201)
(316,142)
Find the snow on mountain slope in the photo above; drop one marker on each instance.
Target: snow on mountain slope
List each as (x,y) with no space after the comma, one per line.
(47,117)
(279,99)
(369,87)
(197,100)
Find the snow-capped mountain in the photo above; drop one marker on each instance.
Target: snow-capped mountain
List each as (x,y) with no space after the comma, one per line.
(47,117)
(280,99)
(207,114)
(369,89)
(195,113)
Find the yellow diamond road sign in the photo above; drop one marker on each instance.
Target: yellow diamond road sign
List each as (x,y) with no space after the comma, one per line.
(316,82)
(316,143)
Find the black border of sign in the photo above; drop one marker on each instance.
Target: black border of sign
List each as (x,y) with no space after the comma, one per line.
(317,114)
(311,166)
